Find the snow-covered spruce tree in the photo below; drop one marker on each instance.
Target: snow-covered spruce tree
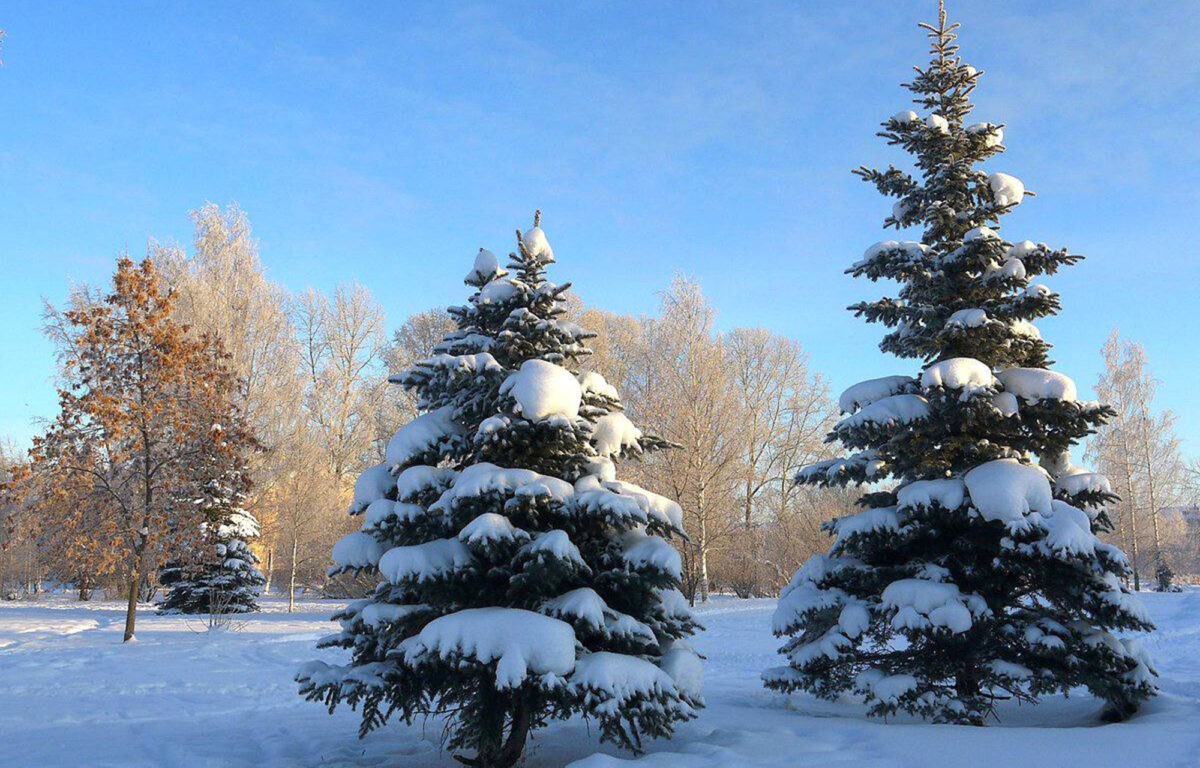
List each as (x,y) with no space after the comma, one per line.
(521,580)
(222,577)
(976,574)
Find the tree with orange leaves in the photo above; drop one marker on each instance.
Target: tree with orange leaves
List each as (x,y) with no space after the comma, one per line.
(146,411)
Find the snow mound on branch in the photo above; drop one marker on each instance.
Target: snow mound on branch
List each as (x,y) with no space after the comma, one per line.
(423,562)
(421,435)
(583,603)
(357,550)
(498,291)
(968,318)
(537,246)
(885,687)
(1069,530)
(641,550)
(318,674)
(1034,384)
(867,521)
(958,373)
(949,493)
(1083,482)
(378,511)
(554,544)
(901,409)
(921,603)
(490,527)
(995,134)
(542,390)
(474,363)
(483,478)
(486,267)
(980,233)
(523,644)
(1012,268)
(421,478)
(653,504)
(379,614)
(595,383)
(374,483)
(904,116)
(1006,190)
(912,249)
(1006,403)
(613,433)
(626,500)
(866,392)
(1006,490)
(609,681)
(938,123)
(683,665)
(1025,328)
(240,525)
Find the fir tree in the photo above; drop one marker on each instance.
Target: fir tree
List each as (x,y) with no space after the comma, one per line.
(222,577)
(978,577)
(522,581)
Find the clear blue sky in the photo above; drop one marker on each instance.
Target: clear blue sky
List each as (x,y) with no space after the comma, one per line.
(386,142)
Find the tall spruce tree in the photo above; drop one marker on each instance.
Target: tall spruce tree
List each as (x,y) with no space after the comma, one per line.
(978,577)
(521,580)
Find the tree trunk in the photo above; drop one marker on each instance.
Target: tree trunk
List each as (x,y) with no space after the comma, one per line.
(135,583)
(270,572)
(292,577)
(1133,538)
(703,545)
(495,753)
(1150,487)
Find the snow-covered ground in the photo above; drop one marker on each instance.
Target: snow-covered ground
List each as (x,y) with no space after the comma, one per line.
(72,695)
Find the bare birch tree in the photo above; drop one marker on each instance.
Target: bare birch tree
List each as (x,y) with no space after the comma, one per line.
(1140,454)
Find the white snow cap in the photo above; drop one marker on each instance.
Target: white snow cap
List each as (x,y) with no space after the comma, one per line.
(1006,403)
(523,643)
(901,409)
(482,478)
(490,527)
(995,134)
(537,246)
(543,389)
(968,318)
(1034,384)
(497,291)
(938,123)
(904,116)
(486,267)
(421,435)
(980,233)
(595,383)
(613,433)
(614,679)
(958,373)
(374,483)
(684,667)
(921,603)
(422,562)
(866,392)
(949,492)
(911,248)
(1006,190)
(1006,490)
(357,550)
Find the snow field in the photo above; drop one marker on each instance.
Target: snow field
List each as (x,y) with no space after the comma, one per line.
(72,694)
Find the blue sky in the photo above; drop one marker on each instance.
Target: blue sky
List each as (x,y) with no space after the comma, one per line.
(384,143)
